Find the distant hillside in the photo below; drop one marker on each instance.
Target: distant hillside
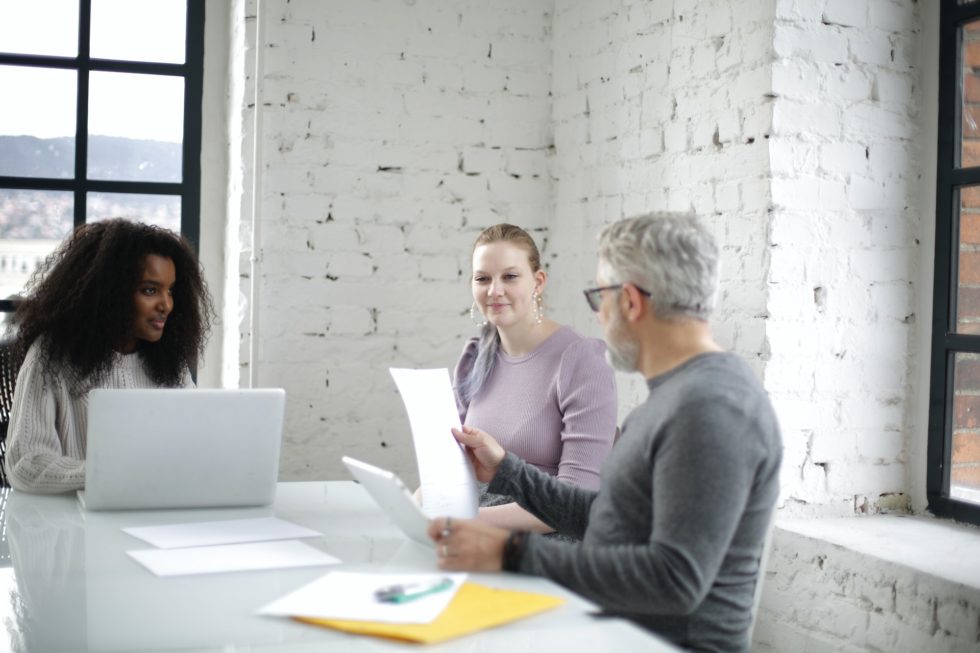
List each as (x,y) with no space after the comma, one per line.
(109,157)
(48,214)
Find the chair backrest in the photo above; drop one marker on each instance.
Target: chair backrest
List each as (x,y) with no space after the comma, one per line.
(7,378)
(763,562)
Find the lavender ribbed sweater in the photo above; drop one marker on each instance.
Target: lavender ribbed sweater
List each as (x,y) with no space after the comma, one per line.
(554,408)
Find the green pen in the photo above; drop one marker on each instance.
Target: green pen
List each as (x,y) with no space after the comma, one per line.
(411,591)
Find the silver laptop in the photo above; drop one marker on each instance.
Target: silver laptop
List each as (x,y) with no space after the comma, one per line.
(394,498)
(184,448)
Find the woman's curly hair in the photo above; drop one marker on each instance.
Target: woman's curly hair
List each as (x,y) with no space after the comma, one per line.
(80,304)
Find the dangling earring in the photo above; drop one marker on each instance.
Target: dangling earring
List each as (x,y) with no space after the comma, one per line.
(538,308)
(474,311)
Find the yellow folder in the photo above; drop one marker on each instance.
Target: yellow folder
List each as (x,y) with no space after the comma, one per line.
(475,607)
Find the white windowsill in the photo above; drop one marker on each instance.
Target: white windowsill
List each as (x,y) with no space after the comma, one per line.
(931,546)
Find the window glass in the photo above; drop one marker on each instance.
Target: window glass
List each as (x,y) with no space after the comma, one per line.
(135,127)
(968,282)
(139,30)
(953,462)
(37,122)
(135,114)
(41,27)
(970,56)
(160,210)
(965,468)
(32,223)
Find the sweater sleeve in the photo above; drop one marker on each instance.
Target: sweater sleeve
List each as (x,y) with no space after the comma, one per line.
(35,458)
(587,400)
(562,506)
(700,481)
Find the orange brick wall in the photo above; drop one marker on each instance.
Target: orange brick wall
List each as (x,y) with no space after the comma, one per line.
(965,470)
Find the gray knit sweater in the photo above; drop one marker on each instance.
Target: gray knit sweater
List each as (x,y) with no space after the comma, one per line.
(46,438)
(673,538)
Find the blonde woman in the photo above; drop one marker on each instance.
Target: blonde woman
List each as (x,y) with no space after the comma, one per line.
(542,389)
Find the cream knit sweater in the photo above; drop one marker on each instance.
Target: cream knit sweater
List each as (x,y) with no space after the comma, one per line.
(46,437)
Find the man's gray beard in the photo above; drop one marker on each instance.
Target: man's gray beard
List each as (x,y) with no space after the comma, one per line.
(624,354)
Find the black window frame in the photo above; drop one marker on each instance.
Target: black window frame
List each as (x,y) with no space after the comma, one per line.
(946,342)
(192,72)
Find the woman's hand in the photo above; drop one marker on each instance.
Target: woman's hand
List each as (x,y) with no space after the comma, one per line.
(484,452)
(468,545)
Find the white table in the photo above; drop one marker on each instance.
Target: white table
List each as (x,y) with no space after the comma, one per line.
(73,588)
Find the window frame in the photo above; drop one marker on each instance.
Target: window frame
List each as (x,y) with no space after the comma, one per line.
(192,72)
(946,342)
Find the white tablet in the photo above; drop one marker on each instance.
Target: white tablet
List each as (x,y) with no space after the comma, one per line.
(394,498)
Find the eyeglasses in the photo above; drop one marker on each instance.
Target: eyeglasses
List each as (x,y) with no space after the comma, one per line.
(594,295)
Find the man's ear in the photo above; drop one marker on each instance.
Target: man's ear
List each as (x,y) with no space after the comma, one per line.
(634,303)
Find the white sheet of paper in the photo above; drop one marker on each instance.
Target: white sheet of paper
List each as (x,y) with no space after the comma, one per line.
(231,557)
(231,531)
(448,486)
(349,595)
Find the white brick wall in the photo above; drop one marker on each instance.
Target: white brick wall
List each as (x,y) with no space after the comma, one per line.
(841,598)
(844,161)
(391,133)
(662,106)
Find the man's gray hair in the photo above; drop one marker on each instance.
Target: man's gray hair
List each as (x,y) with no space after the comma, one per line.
(670,255)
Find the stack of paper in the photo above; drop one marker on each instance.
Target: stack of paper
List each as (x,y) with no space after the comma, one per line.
(229,545)
(347,602)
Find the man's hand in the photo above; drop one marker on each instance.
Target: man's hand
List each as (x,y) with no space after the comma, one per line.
(484,452)
(468,545)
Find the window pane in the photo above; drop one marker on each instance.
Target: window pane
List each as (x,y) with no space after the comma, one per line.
(161,210)
(32,223)
(37,122)
(139,30)
(965,468)
(970,56)
(143,118)
(47,27)
(968,284)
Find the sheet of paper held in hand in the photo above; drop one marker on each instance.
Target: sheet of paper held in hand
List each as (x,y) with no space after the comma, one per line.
(448,486)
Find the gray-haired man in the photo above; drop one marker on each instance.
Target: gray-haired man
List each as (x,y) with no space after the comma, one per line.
(674,536)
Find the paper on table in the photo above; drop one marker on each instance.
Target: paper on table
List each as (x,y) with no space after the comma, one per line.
(231,557)
(475,607)
(448,485)
(231,531)
(349,595)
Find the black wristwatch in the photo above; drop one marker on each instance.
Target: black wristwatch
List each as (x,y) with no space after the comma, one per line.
(513,551)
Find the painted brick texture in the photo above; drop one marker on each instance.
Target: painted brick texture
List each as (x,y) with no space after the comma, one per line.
(828,598)
(664,105)
(392,132)
(843,249)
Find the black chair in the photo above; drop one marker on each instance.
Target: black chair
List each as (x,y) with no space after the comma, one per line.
(7,378)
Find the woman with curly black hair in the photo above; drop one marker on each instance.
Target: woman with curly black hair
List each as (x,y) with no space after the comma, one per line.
(118,305)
